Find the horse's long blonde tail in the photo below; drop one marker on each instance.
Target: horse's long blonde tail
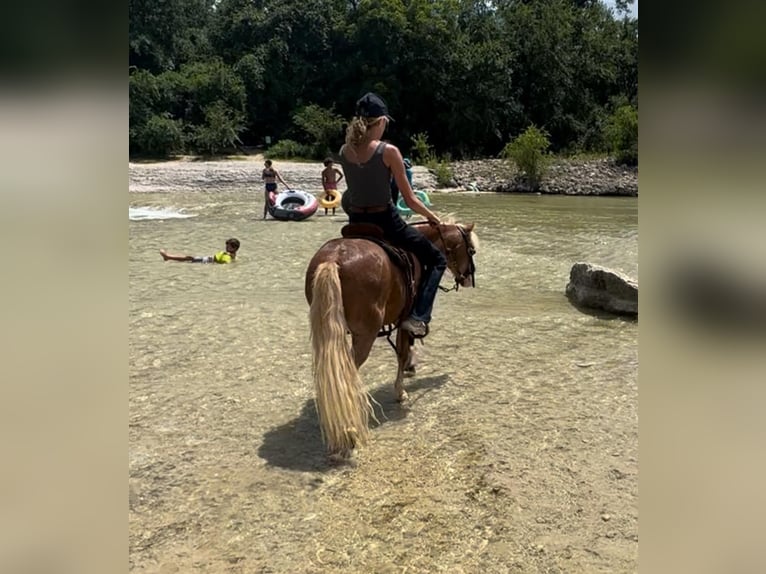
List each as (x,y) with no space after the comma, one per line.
(343,405)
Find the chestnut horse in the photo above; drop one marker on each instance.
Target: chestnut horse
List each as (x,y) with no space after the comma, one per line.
(353,286)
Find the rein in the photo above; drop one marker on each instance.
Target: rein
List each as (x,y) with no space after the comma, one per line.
(470,251)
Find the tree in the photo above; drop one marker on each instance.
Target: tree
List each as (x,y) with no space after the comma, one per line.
(321,127)
(469,73)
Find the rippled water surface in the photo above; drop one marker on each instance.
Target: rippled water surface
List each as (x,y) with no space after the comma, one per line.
(516,453)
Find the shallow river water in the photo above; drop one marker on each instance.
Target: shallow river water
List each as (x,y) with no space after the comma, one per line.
(518,448)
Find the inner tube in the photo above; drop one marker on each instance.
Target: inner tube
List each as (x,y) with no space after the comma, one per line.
(294,205)
(402,206)
(330,203)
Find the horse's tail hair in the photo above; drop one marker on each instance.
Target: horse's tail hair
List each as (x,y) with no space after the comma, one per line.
(342,403)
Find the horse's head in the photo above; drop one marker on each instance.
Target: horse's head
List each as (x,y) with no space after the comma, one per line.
(459,243)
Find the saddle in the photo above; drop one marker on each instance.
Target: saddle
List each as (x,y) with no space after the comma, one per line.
(400,257)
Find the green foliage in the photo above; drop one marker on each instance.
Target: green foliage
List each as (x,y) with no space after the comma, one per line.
(441,168)
(202,85)
(621,133)
(286,149)
(443,173)
(528,152)
(466,72)
(208,98)
(144,94)
(321,128)
(421,150)
(159,137)
(162,35)
(220,132)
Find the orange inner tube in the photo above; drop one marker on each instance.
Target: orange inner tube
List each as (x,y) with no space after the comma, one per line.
(329,203)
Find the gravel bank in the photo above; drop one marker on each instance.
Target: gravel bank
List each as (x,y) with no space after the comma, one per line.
(569,177)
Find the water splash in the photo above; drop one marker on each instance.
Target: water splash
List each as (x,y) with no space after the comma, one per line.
(154,213)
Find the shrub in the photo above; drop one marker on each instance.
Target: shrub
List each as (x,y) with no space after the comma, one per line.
(160,136)
(286,149)
(621,134)
(528,152)
(441,169)
(443,173)
(421,149)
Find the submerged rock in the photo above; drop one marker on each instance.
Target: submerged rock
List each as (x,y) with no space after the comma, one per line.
(597,287)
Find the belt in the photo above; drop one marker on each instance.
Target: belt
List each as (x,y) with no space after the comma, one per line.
(371,209)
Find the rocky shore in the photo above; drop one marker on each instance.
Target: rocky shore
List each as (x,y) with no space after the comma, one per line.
(564,177)
(568,177)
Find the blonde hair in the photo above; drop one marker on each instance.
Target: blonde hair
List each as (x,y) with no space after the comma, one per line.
(356,132)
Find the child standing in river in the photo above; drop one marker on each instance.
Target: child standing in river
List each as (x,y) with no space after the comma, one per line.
(331,177)
(270,177)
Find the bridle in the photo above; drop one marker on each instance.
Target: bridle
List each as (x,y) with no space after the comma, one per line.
(449,253)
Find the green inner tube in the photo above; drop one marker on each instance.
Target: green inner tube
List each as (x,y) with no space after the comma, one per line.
(402,206)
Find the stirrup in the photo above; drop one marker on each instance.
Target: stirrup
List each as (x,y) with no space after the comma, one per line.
(413,335)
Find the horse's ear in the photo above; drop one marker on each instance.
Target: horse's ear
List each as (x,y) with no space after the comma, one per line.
(469,227)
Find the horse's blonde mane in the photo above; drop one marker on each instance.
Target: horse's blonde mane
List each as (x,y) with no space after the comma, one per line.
(474,240)
(449,219)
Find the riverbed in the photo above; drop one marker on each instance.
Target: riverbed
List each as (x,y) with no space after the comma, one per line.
(518,448)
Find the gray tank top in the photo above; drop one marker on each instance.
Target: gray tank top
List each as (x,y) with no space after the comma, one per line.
(368,184)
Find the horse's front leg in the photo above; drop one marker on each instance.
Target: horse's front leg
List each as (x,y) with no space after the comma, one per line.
(412,359)
(403,343)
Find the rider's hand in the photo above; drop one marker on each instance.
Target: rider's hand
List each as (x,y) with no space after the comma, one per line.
(434,220)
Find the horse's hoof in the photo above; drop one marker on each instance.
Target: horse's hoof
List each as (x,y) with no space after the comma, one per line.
(345,456)
(409,372)
(403,396)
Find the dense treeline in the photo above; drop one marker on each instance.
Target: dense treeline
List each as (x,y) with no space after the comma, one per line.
(207,76)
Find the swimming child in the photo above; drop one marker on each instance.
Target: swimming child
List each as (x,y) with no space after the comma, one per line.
(270,177)
(331,177)
(232,246)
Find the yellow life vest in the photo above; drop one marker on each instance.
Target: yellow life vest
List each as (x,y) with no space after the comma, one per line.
(222,257)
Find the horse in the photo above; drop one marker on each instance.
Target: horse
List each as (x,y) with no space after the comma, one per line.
(353,286)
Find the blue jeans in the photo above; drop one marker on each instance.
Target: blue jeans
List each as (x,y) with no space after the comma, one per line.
(407,237)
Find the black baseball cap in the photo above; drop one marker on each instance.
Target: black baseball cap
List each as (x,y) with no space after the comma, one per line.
(371,105)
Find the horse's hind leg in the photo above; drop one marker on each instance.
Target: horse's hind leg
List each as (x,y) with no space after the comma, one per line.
(403,342)
(362,344)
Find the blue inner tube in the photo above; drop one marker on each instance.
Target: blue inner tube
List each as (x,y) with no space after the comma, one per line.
(402,206)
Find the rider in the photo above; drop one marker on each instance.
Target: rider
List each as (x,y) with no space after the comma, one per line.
(369,165)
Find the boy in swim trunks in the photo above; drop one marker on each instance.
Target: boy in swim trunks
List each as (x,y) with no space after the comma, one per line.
(232,246)
(270,177)
(331,177)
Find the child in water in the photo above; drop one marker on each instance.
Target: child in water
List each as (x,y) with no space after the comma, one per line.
(232,246)
(270,177)
(331,176)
